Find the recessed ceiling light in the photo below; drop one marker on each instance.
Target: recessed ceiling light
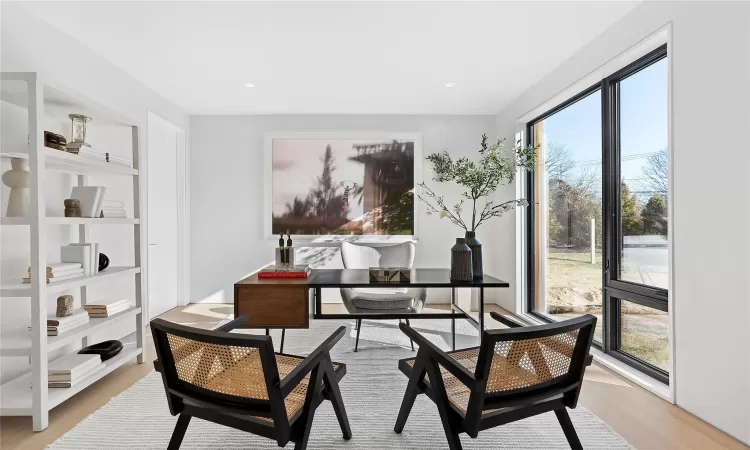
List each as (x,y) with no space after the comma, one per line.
(449,85)
(250,85)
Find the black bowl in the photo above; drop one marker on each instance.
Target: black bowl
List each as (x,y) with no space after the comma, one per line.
(106,349)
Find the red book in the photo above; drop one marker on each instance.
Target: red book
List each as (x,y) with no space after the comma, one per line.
(262,275)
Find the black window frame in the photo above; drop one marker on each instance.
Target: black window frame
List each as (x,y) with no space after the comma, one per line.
(614,290)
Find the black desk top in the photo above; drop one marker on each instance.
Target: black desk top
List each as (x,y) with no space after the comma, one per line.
(435,278)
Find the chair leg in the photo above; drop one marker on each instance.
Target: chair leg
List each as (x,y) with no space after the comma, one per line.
(179,432)
(443,405)
(332,386)
(359,328)
(410,340)
(568,429)
(412,391)
(308,411)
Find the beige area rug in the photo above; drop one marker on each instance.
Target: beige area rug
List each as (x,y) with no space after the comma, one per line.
(373,388)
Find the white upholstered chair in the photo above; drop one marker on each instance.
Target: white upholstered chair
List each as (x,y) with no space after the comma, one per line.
(386,300)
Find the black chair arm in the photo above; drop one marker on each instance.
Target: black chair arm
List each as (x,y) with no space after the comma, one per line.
(505,321)
(308,364)
(450,364)
(231,325)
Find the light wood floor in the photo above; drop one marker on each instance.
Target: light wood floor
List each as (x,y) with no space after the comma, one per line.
(645,420)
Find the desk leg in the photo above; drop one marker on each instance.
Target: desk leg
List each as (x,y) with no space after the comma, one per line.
(481,312)
(283,333)
(453,319)
(318,303)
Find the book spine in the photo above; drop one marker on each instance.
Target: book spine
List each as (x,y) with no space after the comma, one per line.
(262,275)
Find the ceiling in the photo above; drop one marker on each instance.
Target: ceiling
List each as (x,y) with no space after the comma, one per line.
(335,57)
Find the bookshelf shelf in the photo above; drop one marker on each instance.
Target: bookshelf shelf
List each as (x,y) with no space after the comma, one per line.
(41,100)
(17,394)
(12,221)
(60,161)
(19,343)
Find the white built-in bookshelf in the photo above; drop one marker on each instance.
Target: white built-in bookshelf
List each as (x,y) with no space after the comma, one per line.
(28,394)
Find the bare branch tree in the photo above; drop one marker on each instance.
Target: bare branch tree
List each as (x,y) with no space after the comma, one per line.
(656,173)
(557,161)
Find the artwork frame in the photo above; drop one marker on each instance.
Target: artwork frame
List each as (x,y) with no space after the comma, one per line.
(367,136)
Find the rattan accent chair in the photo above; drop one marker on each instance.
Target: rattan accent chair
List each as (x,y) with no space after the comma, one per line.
(239,381)
(515,373)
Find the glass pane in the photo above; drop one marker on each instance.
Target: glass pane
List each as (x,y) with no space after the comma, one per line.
(644,184)
(571,234)
(645,334)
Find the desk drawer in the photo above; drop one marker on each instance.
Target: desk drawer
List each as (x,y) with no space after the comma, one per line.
(273,306)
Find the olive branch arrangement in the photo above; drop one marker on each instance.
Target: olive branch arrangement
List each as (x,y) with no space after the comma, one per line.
(481,179)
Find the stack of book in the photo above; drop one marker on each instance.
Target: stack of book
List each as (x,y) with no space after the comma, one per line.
(70,370)
(88,151)
(60,325)
(86,255)
(298,271)
(102,309)
(113,208)
(60,272)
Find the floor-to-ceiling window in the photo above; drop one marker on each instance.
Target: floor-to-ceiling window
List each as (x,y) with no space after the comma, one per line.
(598,220)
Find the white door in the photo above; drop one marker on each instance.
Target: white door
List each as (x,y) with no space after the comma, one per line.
(162,215)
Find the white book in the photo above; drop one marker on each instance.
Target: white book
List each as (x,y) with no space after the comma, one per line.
(72,363)
(57,331)
(113,204)
(79,253)
(111,215)
(67,377)
(95,262)
(76,379)
(58,278)
(59,267)
(75,323)
(100,313)
(89,198)
(78,314)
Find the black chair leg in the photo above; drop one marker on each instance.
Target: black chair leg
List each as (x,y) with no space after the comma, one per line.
(443,405)
(359,328)
(410,340)
(332,386)
(568,429)
(412,390)
(179,432)
(308,411)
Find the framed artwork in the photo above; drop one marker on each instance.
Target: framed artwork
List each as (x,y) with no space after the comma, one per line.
(339,184)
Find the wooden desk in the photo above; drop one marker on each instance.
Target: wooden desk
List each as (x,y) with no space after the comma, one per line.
(273,303)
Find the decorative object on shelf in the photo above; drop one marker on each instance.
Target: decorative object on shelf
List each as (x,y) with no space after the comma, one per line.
(390,274)
(71,369)
(72,207)
(480,179)
(64,306)
(54,140)
(17,179)
(57,326)
(78,131)
(476,253)
(106,350)
(103,261)
(461,263)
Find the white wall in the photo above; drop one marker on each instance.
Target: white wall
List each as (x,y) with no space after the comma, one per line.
(227,192)
(710,58)
(30,44)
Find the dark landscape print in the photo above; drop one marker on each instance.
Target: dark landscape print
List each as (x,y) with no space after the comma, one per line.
(342,187)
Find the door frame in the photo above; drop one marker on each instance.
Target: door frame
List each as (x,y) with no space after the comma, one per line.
(183,208)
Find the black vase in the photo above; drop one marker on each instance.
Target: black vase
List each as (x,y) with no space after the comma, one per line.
(476,254)
(461,264)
